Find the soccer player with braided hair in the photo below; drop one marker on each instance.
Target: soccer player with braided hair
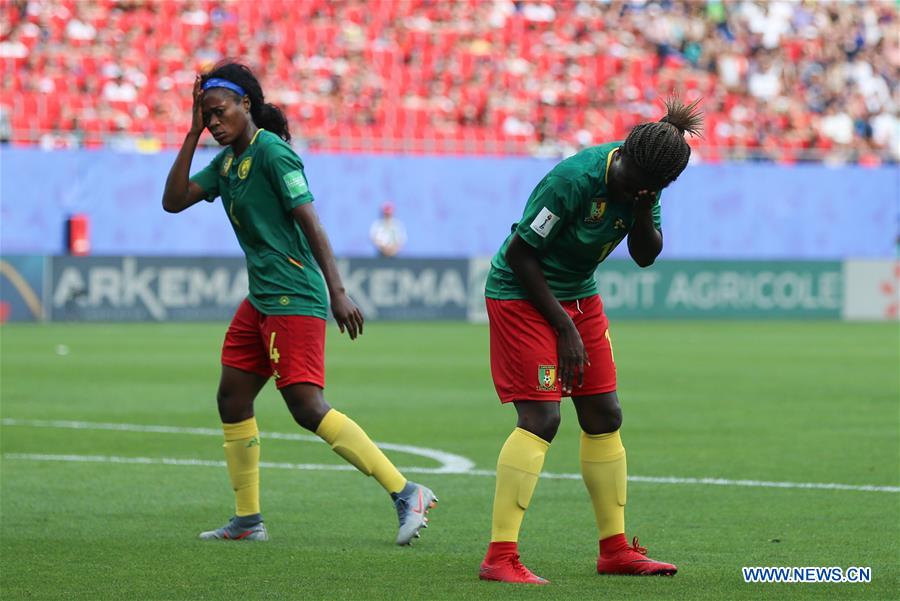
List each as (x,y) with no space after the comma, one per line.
(549,336)
(278,331)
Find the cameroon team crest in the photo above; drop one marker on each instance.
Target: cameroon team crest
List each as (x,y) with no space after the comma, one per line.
(226,164)
(598,208)
(546,377)
(244,168)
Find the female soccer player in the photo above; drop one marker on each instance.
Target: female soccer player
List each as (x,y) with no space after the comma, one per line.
(550,338)
(279,329)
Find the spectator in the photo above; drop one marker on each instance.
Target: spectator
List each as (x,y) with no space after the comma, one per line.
(119,90)
(475,77)
(5,127)
(387,232)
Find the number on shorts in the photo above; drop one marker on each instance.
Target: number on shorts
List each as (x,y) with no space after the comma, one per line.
(273,351)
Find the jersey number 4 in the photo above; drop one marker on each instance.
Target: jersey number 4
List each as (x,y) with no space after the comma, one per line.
(273,350)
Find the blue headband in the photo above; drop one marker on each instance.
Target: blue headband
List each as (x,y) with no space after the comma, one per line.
(217,82)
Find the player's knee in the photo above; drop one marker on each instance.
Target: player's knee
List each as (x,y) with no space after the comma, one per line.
(232,408)
(307,418)
(543,425)
(551,425)
(601,421)
(613,419)
(307,415)
(306,407)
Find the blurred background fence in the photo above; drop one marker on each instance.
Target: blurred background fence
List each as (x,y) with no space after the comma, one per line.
(451,206)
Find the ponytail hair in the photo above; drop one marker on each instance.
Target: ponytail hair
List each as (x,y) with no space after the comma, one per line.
(659,149)
(269,116)
(265,115)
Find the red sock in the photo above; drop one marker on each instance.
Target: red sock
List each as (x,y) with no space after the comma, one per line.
(611,545)
(501,549)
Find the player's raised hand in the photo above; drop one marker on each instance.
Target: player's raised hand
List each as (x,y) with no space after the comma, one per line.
(644,199)
(572,359)
(197,124)
(347,315)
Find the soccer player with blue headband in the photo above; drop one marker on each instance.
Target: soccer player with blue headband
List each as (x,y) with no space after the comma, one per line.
(278,331)
(218,82)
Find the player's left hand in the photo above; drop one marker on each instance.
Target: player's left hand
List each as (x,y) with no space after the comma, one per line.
(644,199)
(347,315)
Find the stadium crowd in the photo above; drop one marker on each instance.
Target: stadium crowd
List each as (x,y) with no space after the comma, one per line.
(780,80)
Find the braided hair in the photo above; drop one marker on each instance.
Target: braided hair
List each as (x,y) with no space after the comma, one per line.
(266,116)
(659,149)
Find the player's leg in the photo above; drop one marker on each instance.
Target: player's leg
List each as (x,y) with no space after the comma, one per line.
(297,352)
(523,366)
(309,409)
(519,466)
(518,469)
(603,462)
(244,372)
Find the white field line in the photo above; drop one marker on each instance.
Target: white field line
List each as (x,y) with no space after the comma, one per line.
(457,465)
(726,482)
(449,462)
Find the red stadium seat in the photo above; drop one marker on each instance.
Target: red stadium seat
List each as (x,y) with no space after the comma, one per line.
(587,58)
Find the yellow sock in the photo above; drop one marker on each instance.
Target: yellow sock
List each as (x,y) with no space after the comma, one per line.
(351,442)
(605,476)
(242,457)
(518,468)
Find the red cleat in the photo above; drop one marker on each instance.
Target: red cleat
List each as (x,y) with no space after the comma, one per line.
(502,564)
(620,558)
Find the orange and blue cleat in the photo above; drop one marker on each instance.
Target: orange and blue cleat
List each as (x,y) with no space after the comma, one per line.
(617,557)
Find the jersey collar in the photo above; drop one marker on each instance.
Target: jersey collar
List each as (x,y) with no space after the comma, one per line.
(609,159)
(250,145)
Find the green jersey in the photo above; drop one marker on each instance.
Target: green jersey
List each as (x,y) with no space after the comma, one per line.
(259,189)
(573,226)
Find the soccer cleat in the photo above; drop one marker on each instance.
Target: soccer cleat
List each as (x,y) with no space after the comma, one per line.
(502,565)
(633,561)
(412,503)
(250,527)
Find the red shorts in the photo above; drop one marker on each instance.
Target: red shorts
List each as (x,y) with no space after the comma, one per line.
(523,350)
(289,347)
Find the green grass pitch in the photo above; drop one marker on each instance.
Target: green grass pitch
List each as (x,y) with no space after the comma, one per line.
(796,402)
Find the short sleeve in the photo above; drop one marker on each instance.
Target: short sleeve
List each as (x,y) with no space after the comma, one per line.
(208,177)
(285,172)
(548,210)
(656,212)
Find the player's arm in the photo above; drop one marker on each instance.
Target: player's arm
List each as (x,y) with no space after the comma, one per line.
(523,260)
(345,311)
(645,239)
(547,212)
(181,193)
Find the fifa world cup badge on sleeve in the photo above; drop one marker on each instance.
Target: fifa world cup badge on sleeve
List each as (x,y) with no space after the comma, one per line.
(546,377)
(295,182)
(544,222)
